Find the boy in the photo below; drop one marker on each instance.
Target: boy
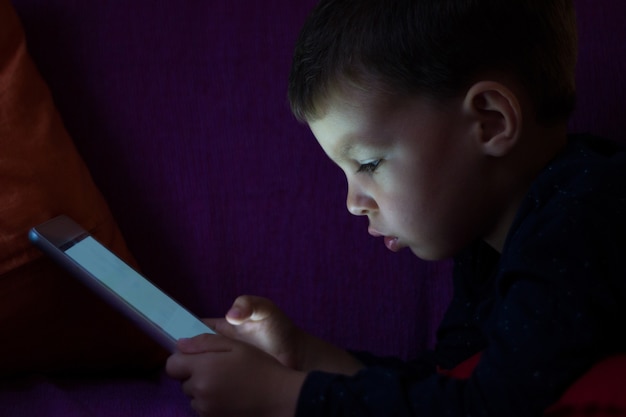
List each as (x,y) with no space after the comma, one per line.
(448,118)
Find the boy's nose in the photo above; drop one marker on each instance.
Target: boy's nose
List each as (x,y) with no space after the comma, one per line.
(359,203)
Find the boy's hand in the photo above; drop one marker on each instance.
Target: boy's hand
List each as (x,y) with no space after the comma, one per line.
(257,321)
(229,377)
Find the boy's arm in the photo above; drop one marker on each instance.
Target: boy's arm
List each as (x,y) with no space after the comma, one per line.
(319,355)
(527,366)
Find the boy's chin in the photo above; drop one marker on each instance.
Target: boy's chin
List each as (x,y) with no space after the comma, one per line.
(429,253)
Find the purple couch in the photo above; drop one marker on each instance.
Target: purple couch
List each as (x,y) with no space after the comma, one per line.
(180,111)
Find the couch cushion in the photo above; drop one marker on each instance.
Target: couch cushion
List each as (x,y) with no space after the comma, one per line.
(49,321)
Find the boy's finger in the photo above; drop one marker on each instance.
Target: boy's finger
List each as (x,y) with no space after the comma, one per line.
(203,343)
(248,307)
(221,326)
(176,367)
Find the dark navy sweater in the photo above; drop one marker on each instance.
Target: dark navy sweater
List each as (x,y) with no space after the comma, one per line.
(542,312)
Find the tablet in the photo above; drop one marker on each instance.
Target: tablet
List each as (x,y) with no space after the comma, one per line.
(84,257)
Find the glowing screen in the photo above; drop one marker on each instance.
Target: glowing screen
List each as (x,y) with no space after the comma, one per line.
(135,290)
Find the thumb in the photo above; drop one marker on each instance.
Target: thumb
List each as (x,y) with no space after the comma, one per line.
(249,308)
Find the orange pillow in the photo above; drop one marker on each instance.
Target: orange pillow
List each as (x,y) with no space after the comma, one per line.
(49,321)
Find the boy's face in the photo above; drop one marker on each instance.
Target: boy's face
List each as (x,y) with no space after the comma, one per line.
(412,168)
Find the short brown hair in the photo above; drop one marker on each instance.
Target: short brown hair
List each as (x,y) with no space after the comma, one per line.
(436,47)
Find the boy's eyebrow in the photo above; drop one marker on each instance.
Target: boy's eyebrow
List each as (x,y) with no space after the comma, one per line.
(351,148)
(346,150)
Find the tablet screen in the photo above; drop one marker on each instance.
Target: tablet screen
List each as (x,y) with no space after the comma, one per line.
(135,290)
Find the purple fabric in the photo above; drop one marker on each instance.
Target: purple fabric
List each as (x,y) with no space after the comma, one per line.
(180,110)
(37,396)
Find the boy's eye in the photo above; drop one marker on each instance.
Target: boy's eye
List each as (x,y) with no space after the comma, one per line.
(370,166)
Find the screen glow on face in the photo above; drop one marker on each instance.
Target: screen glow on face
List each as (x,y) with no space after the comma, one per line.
(135,290)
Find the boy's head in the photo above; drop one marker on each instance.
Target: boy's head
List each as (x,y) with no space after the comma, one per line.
(436,48)
(439,112)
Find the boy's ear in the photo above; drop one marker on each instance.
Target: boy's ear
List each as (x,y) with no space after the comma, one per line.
(496,115)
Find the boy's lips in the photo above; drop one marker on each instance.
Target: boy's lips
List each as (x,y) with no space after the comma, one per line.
(391,242)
